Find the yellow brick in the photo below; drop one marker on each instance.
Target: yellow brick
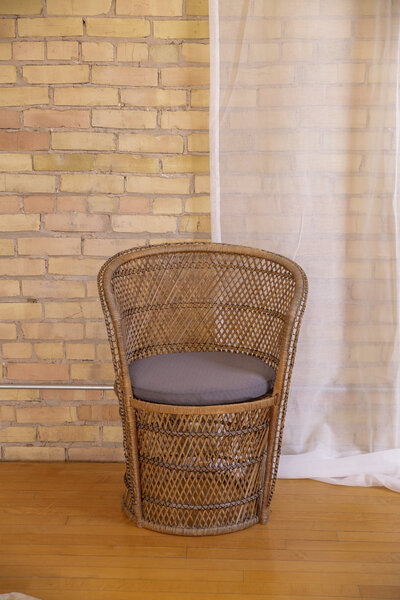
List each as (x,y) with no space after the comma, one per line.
(5,51)
(97,51)
(200,98)
(153,97)
(96,454)
(29,184)
(181,119)
(7,413)
(125,163)
(7,28)
(56,73)
(112,184)
(73,266)
(194,224)
(78,7)
(69,433)
(49,351)
(21,266)
(8,74)
(103,352)
(16,350)
(132,76)
(202,184)
(19,222)
(186,164)
(6,248)
(102,204)
(63,162)
(317,28)
(15,162)
(141,143)
(131,52)
(18,395)
(76,221)
(288,8)
(82,140)
(8,331)
(167,206)
(125,119)
(10,311)
(198,204)
(92,371)
(164,53)
(151,8)
(297,51)
(24,95)
(62,50)
(55,331)
(196,52)
(115,27)
(18,434)
(198,142)
(21,7)
(108,247)
(185,76)
(80,351)
(143,223)
(81,96)
(63,310)
(34,453)
(43,246)
(158,185)
(28,51)
(50,27)
(181,29)
(46,414)
(112,434)
(197,7)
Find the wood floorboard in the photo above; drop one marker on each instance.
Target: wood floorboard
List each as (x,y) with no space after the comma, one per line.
(63,536)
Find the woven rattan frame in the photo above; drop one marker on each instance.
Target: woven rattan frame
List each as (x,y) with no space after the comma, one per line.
(201,470)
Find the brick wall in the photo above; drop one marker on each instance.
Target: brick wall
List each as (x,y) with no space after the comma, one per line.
(103,146)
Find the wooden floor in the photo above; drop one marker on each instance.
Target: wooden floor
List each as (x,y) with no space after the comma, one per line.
(63,537)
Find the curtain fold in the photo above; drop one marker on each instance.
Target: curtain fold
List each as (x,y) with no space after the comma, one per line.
(305,162)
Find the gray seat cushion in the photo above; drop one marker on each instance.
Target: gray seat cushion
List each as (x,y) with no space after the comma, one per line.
(200,378)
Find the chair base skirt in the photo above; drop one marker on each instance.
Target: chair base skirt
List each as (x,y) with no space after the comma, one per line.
(160,528)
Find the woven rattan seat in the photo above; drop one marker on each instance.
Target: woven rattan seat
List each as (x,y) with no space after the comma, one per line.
(209,468)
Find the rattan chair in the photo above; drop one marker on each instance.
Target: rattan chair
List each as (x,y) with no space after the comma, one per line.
(210,469)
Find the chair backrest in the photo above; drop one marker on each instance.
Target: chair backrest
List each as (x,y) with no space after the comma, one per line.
(201,297)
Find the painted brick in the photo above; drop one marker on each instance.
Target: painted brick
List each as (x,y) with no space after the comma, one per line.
(117,28)
(34,117)
(131,76)
(125,119)
(80,7)
(81,96)
(50,27)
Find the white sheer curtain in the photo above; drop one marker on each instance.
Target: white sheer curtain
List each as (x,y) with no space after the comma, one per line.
(305,126)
